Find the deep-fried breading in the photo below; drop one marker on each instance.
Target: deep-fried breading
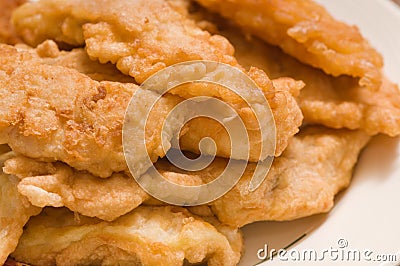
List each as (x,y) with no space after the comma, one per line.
(57,185)
(7,32)
(82,125)
(79,60)
(141,41)
(333,102)
(316,165)
(146,236)
(305,30)
(15,211)
(303,181)
(280,97)
(141,37)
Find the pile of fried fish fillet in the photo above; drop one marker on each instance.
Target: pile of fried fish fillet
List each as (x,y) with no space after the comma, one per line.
(68,70)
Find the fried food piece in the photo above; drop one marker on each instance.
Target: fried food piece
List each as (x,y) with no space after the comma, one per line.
(146,236)
(82,126)
(333,102)
(141,41)
(15,210)
(357,107)
(7,32)
(316,165)
(303,181)
(58,185)
(141,37)
(281,98)
(305,30)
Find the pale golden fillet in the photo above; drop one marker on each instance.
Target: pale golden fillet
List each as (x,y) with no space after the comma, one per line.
(281,98)
(280,94)
(305,30)
(141,37)
(15,210)
(7,32)
(146,236)
(82,126)
(55,113)
(58,185)
(333,102)
(316,165)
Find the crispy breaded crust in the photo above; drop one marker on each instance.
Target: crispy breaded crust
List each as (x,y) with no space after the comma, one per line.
(82,126)
(15,210)
(141,37)
(333,102)
(57,185)
(146,236)
(279,95)
(316,165)
(305,30)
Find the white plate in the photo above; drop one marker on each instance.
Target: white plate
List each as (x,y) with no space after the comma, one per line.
(367,215)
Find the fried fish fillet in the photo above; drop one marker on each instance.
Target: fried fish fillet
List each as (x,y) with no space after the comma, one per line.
(280,97)
(7,32)
(15,210)
(334,102)
(146,236)
(55,113)
(141,37)
(141,41)
(305,30)
(303,181)
(316,165)
(83,125)
(58,185)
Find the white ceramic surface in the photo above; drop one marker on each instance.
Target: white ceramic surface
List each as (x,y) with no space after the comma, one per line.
(367,214)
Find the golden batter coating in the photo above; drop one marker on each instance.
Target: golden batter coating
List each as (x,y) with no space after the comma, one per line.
(305,30)
(334,102)
(15,210)
(316,165)
(58,185)
(145,236)
(140,37)
(82,126)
